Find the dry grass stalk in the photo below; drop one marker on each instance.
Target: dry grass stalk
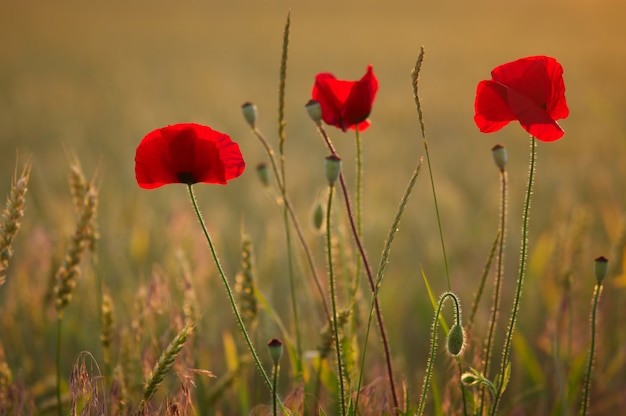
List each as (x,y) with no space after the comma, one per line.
(69,272)
(11,216)
(244,285)
(84,388)
(163,365)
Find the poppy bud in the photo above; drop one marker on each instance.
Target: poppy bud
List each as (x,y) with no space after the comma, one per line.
(499,156)
(315,110)
(275,348)
(318,216)
(469,379)
(332,168)
(249,113)
(263,173)
(601,268)
(456,340)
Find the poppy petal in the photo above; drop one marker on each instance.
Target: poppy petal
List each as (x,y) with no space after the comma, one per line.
(186,153)
(345,104)
(530,90)
(534,119)
(358,105)
(491,109)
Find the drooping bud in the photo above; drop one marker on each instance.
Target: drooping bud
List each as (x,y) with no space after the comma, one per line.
(601,268)
(332,168)
(263,172)
(456,340)
(499,156)
(469,379)
(315,110)
(249,113)
(275,348)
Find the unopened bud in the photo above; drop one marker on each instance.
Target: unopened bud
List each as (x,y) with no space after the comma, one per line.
(275,348)
(318,216)
(249,113)
(469,379)
(315,110)
(263,173)
(499,156)
(601,268)
(456,340)
(332,168)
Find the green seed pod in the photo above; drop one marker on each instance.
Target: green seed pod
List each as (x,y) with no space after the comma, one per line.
(499,156)
(315,110)
(249,113)
(601,267)
(332,168)
(275,348)
(456,340)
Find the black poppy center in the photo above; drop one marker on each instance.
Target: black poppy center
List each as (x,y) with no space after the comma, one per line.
(187,178)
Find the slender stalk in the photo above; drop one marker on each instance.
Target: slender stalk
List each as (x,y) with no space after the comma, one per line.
(229,291)
(415,77)
(333,301)
(294,219)
(597,291)
(433,346)
(497,291)
(368,270)
(275,390)
(383,264)
(58,363)
(520,277)
(483,280)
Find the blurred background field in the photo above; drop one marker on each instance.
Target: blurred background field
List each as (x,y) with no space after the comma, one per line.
(91,79)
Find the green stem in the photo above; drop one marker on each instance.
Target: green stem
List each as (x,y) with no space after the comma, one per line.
(229,291)
(368,271)
(333,301)
(596,298)
(294,219)
(275,390)
(520,277)
(433,346)
(58,363)
(497,292)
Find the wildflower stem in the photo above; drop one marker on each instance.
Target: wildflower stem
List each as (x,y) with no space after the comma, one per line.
(229,291)
(58,364)
(597,291)
(333,300)
(433,346)
(497,292)
(415,78)
(383,264)
(275,390)
(520,278)
(368,270)
(294,219)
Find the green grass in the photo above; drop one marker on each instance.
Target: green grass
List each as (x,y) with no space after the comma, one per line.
(93,79)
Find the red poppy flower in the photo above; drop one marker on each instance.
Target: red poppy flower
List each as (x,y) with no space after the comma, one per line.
(530,90)
(346,104)
(186,153)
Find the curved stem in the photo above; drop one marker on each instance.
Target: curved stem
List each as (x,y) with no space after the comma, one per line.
(333,301)
(597,291)
(433,346)
(520,278)
(229,291)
